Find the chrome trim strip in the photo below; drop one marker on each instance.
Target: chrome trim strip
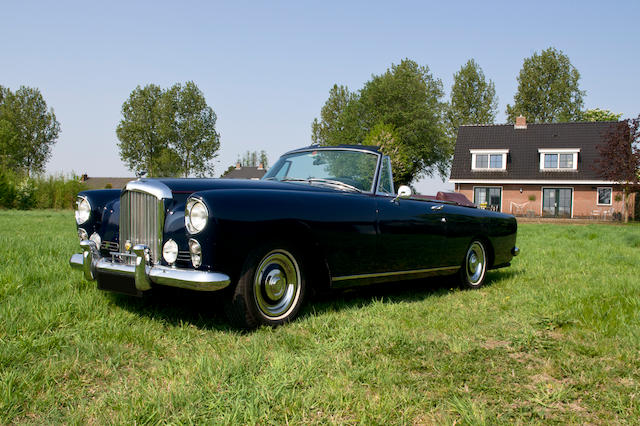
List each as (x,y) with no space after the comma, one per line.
(150,186)
(388,274)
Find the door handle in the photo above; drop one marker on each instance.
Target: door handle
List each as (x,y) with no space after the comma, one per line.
(437,207)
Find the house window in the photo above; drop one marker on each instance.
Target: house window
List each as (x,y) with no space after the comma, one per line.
(559,159)
(489,198)
(489,160)
(604,196)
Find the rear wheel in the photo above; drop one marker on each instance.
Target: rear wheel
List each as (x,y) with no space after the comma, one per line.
(270,290)
(474,266)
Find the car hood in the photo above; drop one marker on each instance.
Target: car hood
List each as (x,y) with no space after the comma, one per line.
(189,186)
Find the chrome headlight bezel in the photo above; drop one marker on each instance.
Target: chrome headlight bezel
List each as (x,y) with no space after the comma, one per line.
(83,209)
(196,215)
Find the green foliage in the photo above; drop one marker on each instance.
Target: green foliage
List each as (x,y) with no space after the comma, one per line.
(193,134)
(384,136)
(28,130)
(598,114)
(43,192)
(168,132)
(254,159)
(548,89)
(407,99)
(473,99)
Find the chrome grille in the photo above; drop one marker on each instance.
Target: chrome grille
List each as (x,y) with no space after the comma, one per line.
(142,221)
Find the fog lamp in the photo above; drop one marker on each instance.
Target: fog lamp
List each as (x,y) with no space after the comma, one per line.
(196,253)
(170,252)
(95,237)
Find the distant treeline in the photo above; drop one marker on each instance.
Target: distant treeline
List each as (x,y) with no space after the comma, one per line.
(40,192)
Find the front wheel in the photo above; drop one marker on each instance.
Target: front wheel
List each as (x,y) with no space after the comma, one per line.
(270,290)
(474,266)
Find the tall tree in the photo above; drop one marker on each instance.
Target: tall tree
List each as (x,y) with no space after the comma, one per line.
(473,98)
(620,158)
(598,114)
(548,89)
(143,131)
(168,132)
(193,135)
(28,130)
(338,122)
(254,159)
(402,107)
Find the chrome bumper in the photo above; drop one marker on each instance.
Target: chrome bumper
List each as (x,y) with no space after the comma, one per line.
(91,263)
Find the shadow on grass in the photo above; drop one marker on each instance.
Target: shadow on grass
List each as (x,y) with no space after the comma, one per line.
(206,310)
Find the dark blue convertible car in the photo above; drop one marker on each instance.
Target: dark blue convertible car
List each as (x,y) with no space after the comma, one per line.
(322,217)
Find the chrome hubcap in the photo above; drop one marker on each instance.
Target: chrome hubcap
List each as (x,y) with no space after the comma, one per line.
(475,264)
(277,284)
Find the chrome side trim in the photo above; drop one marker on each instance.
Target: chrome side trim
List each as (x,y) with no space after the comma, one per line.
(395,273)
(150,186)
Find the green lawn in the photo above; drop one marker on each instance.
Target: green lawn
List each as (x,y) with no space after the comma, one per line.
(553,338)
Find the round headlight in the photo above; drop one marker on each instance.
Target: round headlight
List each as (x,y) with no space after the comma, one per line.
(196,216)
(196,253)
(83,212)
(82,234)
(170,252)
(95,237)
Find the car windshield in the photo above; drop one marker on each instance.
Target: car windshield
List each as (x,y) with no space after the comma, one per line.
(343,169)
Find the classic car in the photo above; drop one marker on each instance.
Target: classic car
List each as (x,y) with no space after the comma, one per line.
(321,218)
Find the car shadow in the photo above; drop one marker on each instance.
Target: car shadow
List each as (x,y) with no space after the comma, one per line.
(206,310)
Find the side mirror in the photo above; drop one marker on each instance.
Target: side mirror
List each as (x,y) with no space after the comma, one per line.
(403,192)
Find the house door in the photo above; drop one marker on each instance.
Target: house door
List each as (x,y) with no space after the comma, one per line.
(556,202)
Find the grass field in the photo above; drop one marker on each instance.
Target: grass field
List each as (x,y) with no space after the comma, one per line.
(553,338)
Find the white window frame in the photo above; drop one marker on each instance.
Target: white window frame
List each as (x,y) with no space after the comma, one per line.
(574,151)
(489,152)
(598,195)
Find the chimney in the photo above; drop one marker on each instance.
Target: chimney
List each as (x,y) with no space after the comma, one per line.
(238,166)
(261,166)
(521,123)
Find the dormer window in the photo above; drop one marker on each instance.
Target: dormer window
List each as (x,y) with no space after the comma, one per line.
(489,159)
(559,159)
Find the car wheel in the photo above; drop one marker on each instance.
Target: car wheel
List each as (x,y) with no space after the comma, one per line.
(270,289)
(474,265)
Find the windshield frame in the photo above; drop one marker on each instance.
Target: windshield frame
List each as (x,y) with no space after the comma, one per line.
(374,183)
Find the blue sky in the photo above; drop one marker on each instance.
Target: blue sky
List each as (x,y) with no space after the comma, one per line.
(266,67)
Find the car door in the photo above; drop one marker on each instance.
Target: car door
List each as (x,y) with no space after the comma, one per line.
(412,234)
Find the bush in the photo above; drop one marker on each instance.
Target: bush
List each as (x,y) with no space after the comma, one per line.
(42,192)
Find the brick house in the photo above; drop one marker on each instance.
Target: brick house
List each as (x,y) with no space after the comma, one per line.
(543,170)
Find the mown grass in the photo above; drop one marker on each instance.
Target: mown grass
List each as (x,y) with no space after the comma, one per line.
(553,338)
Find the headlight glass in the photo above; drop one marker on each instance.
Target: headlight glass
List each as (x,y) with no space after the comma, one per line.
(82,234)
(83,211)
(196,253)
(95,237)
(196,216)
(170,252)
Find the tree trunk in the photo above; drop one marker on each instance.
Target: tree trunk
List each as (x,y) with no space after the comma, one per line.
(625,216)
